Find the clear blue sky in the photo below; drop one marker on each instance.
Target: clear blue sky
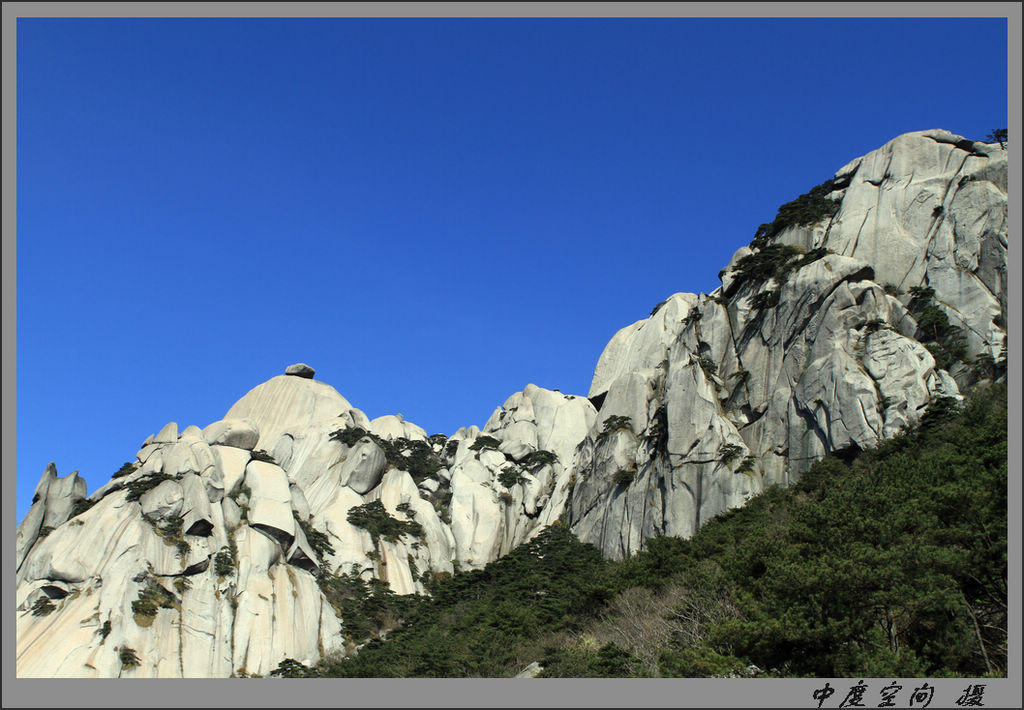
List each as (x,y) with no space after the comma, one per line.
(432,213)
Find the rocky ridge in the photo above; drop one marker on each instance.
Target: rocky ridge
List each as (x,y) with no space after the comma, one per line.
(206,555)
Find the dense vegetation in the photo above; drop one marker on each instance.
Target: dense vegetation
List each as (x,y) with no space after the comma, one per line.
(892,563)
(945,341)
(807,209)
(416,457)
(775,261)
(375,519)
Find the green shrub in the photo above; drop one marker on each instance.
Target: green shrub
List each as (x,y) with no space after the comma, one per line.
(172,526)
(707,365)
(657,431)
(151,598)
(945,341)
(939,411)
(698,662)
(367,608)
(740,375)
(771,261)
(290,668)
(916,550)
(261,455)
(536,459)
(43,606)
(623,477)
(728,452)
(985,366)
(997,135)
(374,518)
(925,512)
(171,531)
(129,659)
(764,300)
(44,531)
(874,325)
(809,208)
(747,465)
(920,296)
(579,661)
(81,505)
(510,476)
(439,440)
(451,447)
(127,468)
(485,442)
(615,423)
(182,547)
(349,437)
(658,307)
(774,261)
(421,461)
(441,500)
(223,564)
(182,583)
(141,486)
(105,630)
(319,541)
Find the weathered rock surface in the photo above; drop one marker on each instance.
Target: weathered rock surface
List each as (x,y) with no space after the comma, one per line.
(690,412)
(832,365)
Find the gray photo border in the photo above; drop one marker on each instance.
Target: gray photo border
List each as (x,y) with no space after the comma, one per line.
(480,693)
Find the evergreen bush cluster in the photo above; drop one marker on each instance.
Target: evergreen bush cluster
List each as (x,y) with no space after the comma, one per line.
(151,598)
(945,341)
(263,456)
(81,505)
(707,365)
(374,518)
(43,606)
(485,442)
(127,468)
(775,261)
(613,424)
(141,486)
(624,476)
(510,476)
(538,458)
(171,531)
(129,658)
(765,299)
(224,561)
(729,452)
(319,541)
(809,208)
(415,456)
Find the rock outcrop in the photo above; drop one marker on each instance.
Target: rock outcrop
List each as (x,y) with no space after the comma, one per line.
(213,552)
(808,347)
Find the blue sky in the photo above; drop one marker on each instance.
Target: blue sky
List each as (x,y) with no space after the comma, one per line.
(432,213)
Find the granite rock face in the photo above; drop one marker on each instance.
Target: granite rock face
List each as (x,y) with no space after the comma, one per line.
(746,387)
(691,412)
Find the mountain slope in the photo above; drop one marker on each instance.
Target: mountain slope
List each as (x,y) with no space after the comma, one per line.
(225,550)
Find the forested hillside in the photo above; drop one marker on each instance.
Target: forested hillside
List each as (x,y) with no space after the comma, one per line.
(890,562)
